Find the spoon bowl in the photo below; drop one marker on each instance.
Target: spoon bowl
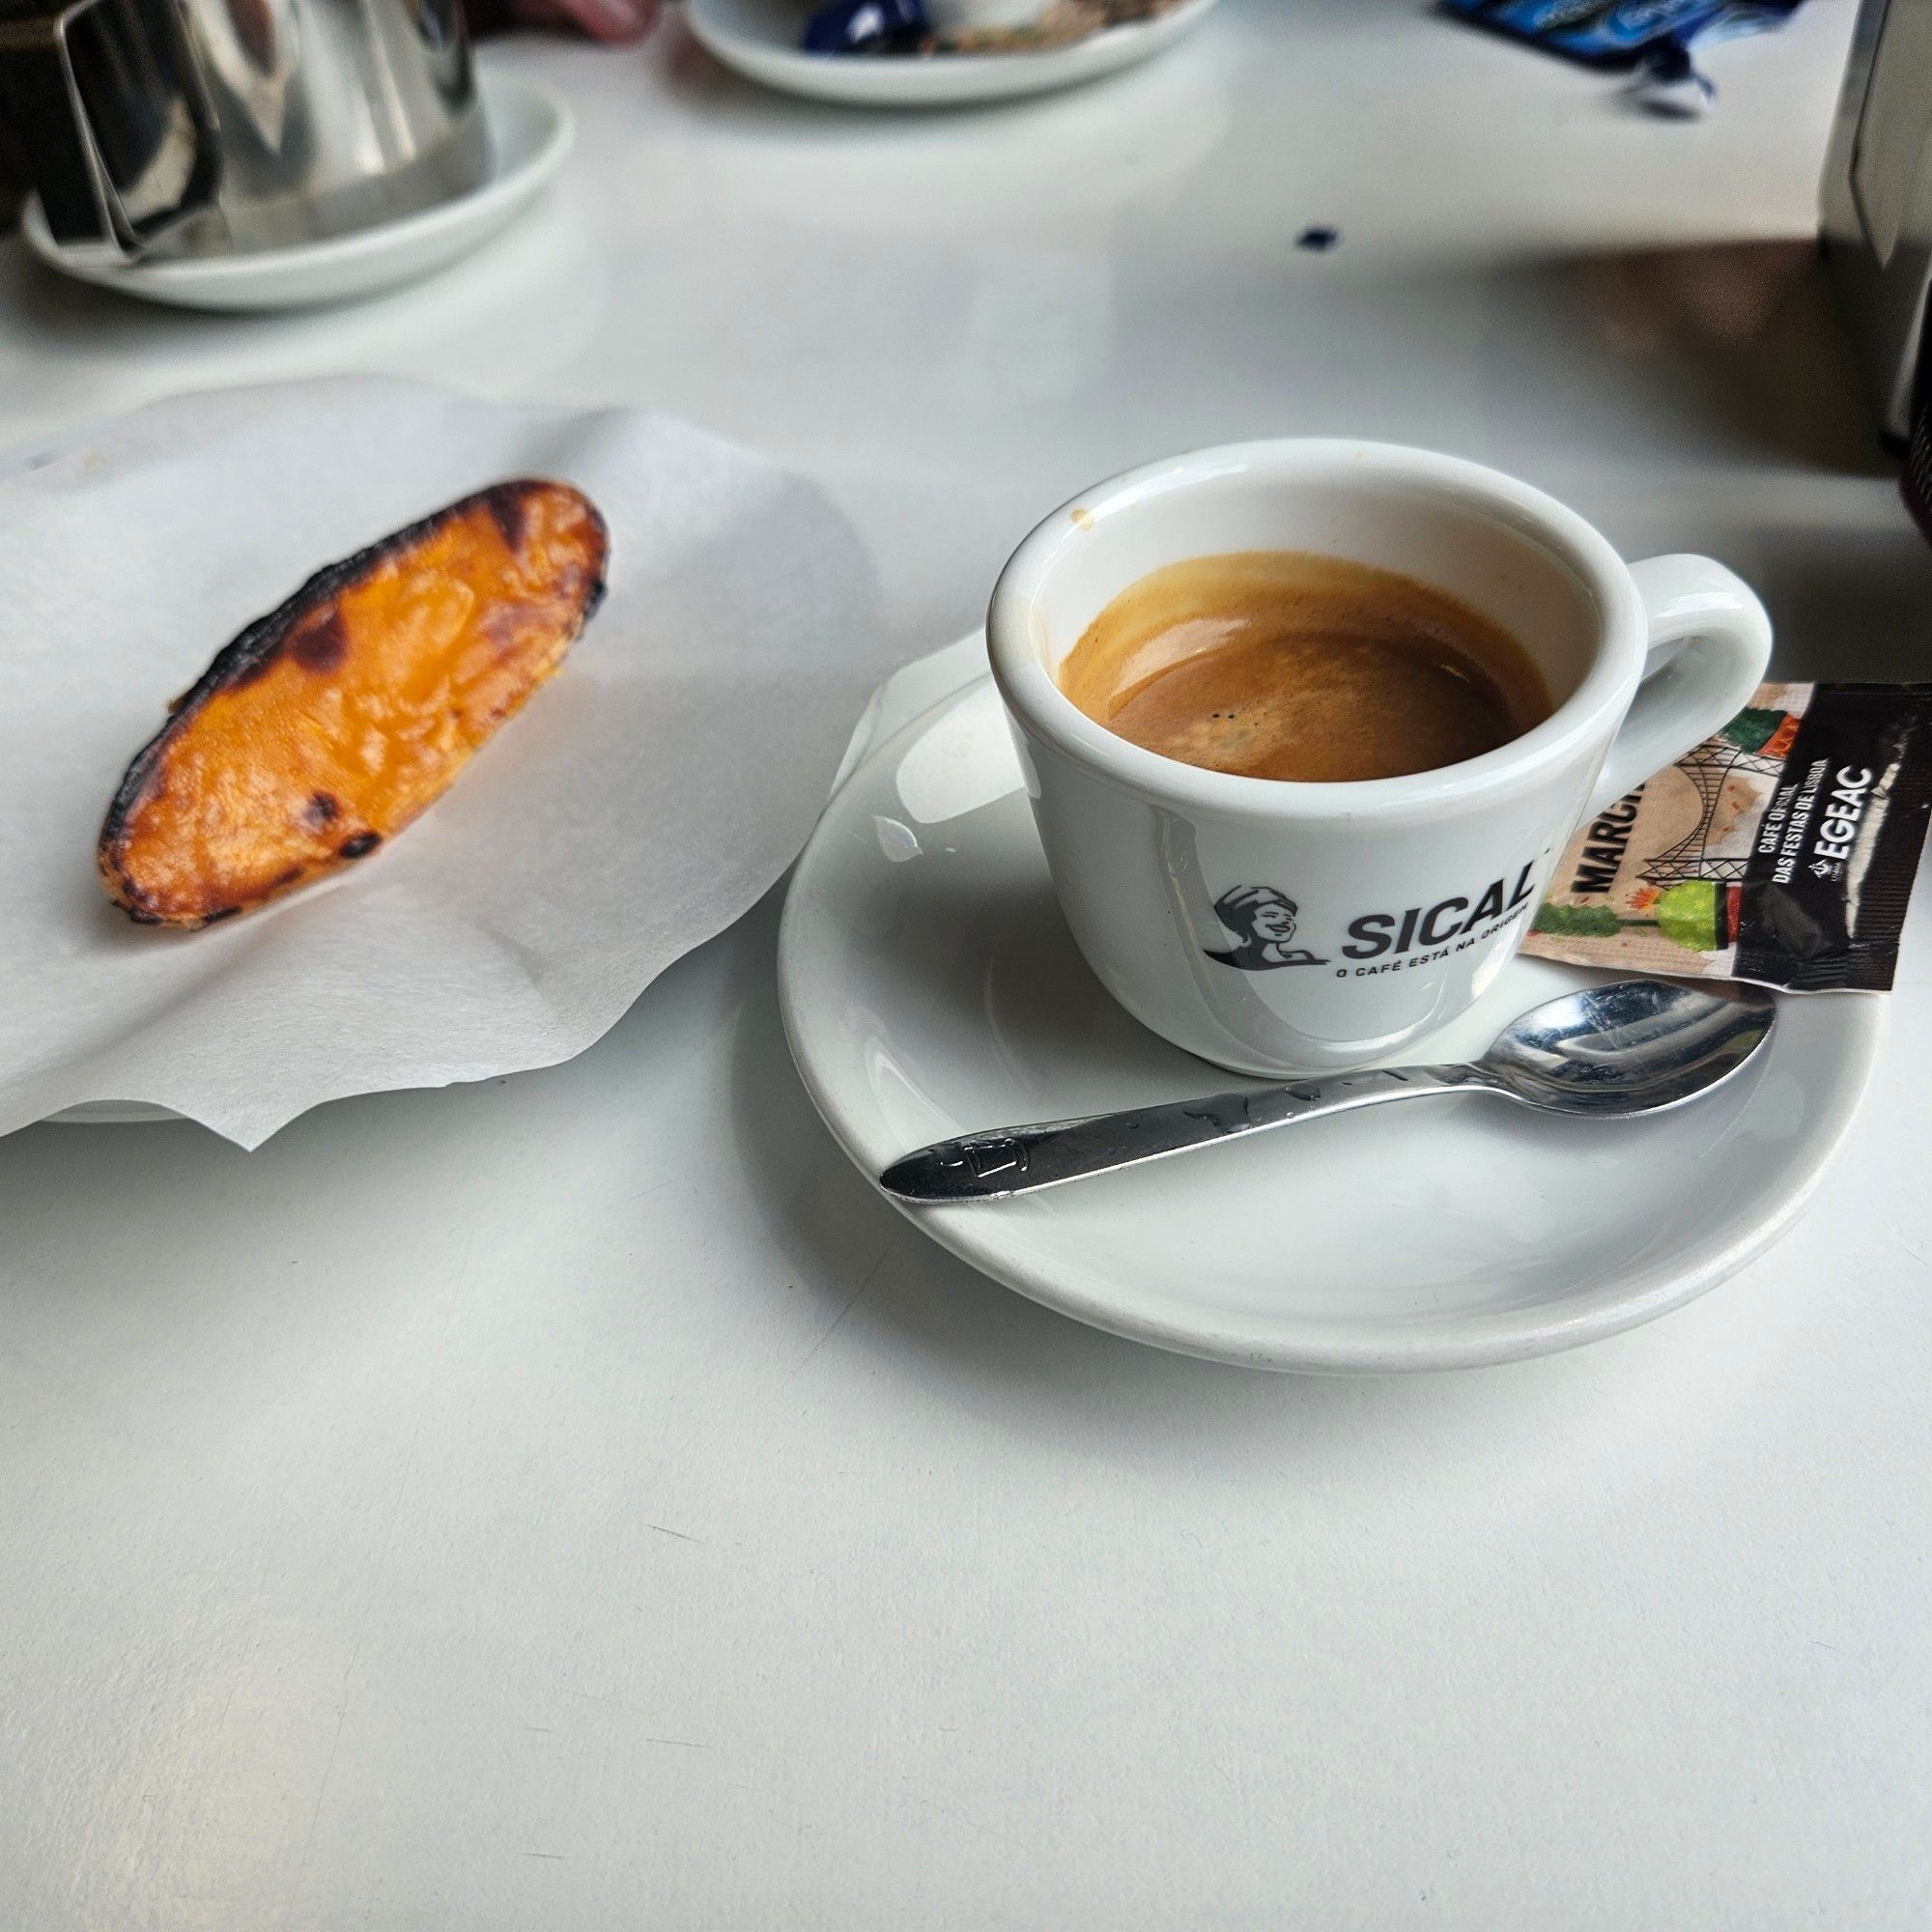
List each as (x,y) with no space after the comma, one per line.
(1631,1047)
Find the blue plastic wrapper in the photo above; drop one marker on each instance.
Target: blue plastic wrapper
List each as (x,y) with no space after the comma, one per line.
(866,27)
(1650,38)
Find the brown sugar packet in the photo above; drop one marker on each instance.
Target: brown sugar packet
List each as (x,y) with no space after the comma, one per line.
(1781,850)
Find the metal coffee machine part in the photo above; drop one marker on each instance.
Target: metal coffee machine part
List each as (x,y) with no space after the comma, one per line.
(1877,200)
(227,127)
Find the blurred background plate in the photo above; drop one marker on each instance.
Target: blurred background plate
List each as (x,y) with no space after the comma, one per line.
(112,1114)
(758,38)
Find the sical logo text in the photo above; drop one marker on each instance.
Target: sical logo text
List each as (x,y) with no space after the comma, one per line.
(1263,921)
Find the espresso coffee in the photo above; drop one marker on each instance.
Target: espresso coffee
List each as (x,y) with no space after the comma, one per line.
(1281,665)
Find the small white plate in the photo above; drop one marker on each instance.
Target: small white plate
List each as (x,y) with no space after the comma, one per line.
(931,988)
(530,134)
(758,38)
(113,1114)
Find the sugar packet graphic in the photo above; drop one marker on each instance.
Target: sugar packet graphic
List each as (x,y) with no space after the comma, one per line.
(1781,850)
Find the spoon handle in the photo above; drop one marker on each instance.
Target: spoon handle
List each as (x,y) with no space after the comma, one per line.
(1016,1160)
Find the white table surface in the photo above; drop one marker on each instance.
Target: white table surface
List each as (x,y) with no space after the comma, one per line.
(577,1501)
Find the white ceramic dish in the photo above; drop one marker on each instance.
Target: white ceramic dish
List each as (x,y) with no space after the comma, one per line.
(531,131)
(113,1114)
(758,38)
(929,988)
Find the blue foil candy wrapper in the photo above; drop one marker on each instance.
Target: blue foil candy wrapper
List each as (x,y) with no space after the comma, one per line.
(1650,38)
(866,27)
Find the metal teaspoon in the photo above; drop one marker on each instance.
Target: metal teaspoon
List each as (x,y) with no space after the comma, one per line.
(1634,1046)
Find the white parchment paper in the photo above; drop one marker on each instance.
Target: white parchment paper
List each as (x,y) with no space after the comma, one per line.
(643,799)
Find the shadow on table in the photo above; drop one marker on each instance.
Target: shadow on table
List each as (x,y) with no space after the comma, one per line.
(1746,334)
(1729,353)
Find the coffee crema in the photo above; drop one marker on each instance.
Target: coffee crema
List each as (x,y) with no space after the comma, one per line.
(1285,664)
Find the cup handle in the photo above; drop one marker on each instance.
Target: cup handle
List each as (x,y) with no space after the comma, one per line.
(1710,640)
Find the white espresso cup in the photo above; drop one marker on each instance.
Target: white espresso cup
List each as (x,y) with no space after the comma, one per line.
(1279,926)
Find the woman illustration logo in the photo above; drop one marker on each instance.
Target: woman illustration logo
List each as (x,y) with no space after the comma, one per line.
(1265,921)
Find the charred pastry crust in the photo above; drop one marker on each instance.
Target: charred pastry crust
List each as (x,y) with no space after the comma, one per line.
(330,724)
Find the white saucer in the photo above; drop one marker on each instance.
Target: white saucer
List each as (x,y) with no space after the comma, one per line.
(758,38)
(531,132)
(931,988)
